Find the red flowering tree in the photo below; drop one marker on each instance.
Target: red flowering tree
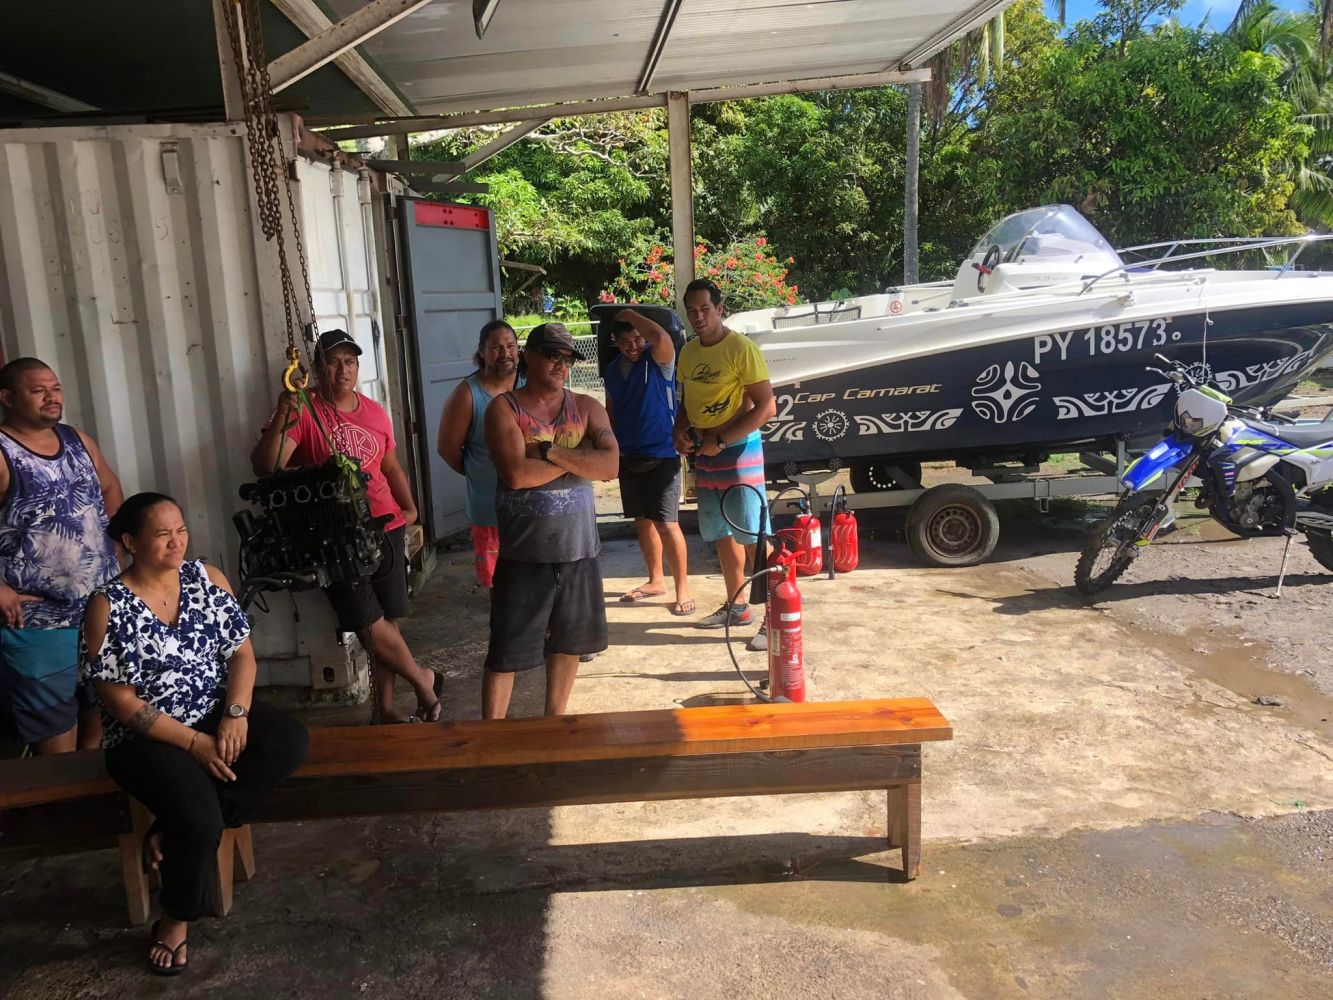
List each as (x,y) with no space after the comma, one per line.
(750,275)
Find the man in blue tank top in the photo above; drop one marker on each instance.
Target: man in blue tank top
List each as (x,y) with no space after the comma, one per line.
(641,402)
(56,494)
(461,441)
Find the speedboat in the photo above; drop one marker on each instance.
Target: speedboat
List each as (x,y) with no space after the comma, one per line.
(1039,345)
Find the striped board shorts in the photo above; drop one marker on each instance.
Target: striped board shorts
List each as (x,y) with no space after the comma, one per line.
(742,462)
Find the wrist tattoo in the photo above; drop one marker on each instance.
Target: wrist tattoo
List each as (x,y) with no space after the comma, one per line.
(142,720)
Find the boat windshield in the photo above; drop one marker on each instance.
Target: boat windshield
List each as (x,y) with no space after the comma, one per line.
(1048,233)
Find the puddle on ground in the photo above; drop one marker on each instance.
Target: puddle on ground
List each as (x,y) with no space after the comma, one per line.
(1244,670)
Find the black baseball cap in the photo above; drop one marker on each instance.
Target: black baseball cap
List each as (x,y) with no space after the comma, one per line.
(330,339)
(553,335)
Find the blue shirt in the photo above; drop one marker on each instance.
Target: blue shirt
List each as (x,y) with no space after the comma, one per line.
(643,403)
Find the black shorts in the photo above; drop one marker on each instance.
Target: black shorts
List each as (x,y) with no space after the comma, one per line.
(542,608)
(654,494)
(359,604)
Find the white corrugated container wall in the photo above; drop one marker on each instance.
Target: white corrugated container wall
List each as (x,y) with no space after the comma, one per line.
(131,261)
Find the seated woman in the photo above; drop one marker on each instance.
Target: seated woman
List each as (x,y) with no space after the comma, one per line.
(168,648)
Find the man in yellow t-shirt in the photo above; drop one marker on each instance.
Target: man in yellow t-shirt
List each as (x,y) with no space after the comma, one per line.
(726,397)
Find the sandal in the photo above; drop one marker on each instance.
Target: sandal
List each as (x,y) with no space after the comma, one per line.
(429,713)
(174,969)
(639,594)
(682,608)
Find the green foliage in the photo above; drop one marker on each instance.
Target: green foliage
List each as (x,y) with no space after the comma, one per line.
(1183,135)
(747,271)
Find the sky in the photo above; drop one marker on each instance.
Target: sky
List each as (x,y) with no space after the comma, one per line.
(1218,12)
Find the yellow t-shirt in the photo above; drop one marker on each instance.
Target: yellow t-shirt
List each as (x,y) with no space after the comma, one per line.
(713,379)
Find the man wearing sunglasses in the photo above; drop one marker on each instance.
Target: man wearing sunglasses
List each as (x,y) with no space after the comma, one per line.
(547,606)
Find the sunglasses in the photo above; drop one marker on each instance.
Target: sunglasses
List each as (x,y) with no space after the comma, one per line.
(555,354)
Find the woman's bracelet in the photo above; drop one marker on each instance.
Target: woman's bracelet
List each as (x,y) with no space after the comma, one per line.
(190,748)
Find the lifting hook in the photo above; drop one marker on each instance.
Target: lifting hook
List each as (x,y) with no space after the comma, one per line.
(295,377)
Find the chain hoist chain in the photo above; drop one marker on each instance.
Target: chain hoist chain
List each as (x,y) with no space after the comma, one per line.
(245,33)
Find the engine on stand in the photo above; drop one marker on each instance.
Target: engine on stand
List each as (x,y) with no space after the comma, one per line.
(313,527)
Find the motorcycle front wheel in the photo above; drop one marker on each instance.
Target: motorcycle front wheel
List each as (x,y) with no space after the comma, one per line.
(1114,542)
(1320,541)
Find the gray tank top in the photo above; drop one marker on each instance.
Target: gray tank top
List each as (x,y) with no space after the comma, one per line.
(556,522)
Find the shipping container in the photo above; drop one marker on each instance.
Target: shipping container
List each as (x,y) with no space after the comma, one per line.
(132,261)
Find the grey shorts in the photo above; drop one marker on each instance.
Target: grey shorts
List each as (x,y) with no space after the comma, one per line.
(542,608)
(653,493)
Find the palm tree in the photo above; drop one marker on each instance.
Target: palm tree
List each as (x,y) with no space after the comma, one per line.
(1299,43)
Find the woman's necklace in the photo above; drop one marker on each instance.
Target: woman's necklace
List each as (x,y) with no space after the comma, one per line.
(156,599)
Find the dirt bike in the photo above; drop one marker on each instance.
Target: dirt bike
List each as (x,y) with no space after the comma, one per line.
(1259,474)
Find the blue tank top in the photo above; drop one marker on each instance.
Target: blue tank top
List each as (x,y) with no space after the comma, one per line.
(53,540)
(477,460)
(643,405)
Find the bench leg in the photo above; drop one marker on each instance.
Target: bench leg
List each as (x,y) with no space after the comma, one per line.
(245,853)
(227,851)
(905,825)
(131,863)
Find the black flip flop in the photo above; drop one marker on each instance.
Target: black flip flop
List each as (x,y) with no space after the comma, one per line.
(166,970)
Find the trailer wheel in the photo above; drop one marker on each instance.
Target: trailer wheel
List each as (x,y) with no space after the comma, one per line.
(952,525)
(875,477)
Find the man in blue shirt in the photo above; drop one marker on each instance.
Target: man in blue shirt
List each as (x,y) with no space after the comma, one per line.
(641,401)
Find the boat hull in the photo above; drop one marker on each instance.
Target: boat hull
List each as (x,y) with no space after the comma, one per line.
(1041,391)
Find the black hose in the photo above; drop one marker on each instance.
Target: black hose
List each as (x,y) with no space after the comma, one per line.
(767,699)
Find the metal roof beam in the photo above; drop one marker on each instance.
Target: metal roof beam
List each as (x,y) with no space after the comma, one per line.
(419,168)
(471,119)
(658,46)
(338,38)
(500,143)
(311,21)
(35,93)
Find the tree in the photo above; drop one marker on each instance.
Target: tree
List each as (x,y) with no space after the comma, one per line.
(1181,135)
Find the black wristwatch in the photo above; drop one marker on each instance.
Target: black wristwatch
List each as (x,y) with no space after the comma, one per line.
(238,711)
(721,445)
(544,450)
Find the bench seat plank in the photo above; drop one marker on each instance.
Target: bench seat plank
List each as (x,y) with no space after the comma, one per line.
(614,735)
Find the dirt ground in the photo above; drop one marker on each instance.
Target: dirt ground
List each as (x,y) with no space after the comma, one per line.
(1116,816)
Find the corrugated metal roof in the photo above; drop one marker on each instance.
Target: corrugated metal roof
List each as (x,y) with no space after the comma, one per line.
(537,51)
(158,58)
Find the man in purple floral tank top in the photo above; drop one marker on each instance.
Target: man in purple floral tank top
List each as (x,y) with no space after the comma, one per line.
(56,493)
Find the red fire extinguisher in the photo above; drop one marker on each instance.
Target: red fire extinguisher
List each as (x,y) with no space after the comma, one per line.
(846,544)
(786,649)
(805,537)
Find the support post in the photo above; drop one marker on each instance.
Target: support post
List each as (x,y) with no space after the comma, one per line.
(911,272)
(682,192)
(233,97)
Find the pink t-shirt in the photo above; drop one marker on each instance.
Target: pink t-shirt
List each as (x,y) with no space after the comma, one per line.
(365,434)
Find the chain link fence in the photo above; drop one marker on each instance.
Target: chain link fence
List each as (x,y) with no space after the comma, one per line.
(585,375)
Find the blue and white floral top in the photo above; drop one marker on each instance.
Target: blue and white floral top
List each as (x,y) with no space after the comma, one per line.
(179,669)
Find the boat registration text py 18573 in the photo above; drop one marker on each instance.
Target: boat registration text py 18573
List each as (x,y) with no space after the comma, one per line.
(1112,338)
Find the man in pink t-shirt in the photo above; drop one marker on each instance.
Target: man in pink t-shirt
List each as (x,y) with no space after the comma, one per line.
(360,428)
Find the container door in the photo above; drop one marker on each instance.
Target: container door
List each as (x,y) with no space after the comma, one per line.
(453,266)
(340,249)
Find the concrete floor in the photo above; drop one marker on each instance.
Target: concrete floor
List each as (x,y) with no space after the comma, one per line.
(1115,817)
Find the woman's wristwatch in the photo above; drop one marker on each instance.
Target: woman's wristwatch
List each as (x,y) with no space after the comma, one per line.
(544,450)
(238,711)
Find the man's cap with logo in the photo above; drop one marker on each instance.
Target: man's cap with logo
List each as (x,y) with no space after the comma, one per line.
(330,339)
(553,335)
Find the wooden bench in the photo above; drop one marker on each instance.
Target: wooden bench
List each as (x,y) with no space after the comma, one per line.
(56,804)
